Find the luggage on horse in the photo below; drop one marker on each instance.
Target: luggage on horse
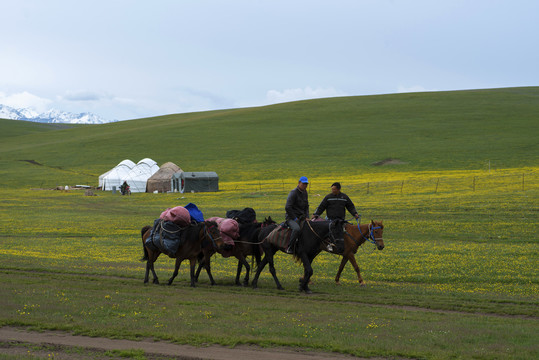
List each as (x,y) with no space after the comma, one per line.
(245,216)
(196,214)
(229,229)
(280,236)
(178,215)
(165,236)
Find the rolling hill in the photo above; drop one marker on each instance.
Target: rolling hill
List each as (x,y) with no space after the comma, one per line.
(344,135)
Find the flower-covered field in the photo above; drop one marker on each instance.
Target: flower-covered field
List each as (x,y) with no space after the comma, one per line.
(460,242)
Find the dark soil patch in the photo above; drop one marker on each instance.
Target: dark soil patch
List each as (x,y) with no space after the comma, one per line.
(389,161)
(32,162)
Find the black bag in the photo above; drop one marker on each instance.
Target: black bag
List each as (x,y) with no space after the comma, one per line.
(166,236)
(245,216)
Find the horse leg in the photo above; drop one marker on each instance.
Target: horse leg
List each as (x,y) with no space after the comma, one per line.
(208,268)
(274,273)
(243,261)
(155,280)
(259,269)
(238,273)
(199,269)
(341,268)
(152,258)
(356,268)
(176,268)
(147,275)
(308,272)
(193,263)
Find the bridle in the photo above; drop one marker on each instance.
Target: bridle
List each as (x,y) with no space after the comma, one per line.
(207,234)
(370,232)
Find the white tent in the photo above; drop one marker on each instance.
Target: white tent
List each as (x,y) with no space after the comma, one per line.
(114,176)
(139,175)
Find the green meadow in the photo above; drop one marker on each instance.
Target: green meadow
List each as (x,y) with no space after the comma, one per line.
(458,277)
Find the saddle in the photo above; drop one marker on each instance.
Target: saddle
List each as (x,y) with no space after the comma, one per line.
(165,236)
(280,236)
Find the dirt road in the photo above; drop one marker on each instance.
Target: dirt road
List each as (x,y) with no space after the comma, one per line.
(13,339)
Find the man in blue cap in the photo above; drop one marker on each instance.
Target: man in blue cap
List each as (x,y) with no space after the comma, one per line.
(297,209)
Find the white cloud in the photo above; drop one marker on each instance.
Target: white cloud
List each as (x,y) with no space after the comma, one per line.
(415,88)
(84,95)
(275,96)
(25,100)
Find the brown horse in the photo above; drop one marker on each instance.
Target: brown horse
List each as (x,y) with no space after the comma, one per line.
(247,244)
(354,237)
(202,237)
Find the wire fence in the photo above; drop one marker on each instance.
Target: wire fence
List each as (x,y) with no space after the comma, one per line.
(508,182)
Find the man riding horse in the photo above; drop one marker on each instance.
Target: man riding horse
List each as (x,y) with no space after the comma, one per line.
(297,209)
(335,204)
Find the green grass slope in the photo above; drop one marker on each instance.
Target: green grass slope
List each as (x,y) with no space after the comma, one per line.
(345,135)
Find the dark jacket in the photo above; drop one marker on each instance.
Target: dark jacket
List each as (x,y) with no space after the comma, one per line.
(335,206)
(297,205)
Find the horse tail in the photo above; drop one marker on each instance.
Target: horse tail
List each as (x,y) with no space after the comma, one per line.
(142,232)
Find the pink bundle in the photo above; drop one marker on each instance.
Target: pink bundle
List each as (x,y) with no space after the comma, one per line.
(216,219)
(229,229)
(178,215)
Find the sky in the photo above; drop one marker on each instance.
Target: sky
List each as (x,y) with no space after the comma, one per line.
(131,59)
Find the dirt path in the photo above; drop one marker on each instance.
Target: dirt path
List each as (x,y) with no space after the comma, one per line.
(65,343)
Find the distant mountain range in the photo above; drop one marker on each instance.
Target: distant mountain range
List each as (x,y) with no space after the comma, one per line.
(51,116)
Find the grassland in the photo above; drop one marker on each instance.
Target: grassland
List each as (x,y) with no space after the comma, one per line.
(458,277)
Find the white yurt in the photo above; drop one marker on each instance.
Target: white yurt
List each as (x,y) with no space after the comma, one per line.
(114,176)
(138,176)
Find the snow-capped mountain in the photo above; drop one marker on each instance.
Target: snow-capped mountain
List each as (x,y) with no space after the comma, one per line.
(51,116)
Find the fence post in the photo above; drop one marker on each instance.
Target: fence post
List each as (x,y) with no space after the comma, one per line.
(368,185)
(402,185)
(522,182)
(474,183)
(437,182)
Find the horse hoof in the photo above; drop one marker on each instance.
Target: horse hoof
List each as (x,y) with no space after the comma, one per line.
(156,281)
(280,288)
(338,283)
(363,284)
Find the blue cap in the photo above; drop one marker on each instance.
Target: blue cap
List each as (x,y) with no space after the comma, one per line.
(304,180)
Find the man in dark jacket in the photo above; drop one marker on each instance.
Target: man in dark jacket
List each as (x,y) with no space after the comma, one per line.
(297,209)
(335,205)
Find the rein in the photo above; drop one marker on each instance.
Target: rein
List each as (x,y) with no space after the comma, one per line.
(318,236)
(370,233)
(207,233)
(263,225)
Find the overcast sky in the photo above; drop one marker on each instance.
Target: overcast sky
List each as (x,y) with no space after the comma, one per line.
(132,59)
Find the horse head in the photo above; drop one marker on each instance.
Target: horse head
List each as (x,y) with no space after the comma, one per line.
(269,221)
(212,234)
(376,233)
